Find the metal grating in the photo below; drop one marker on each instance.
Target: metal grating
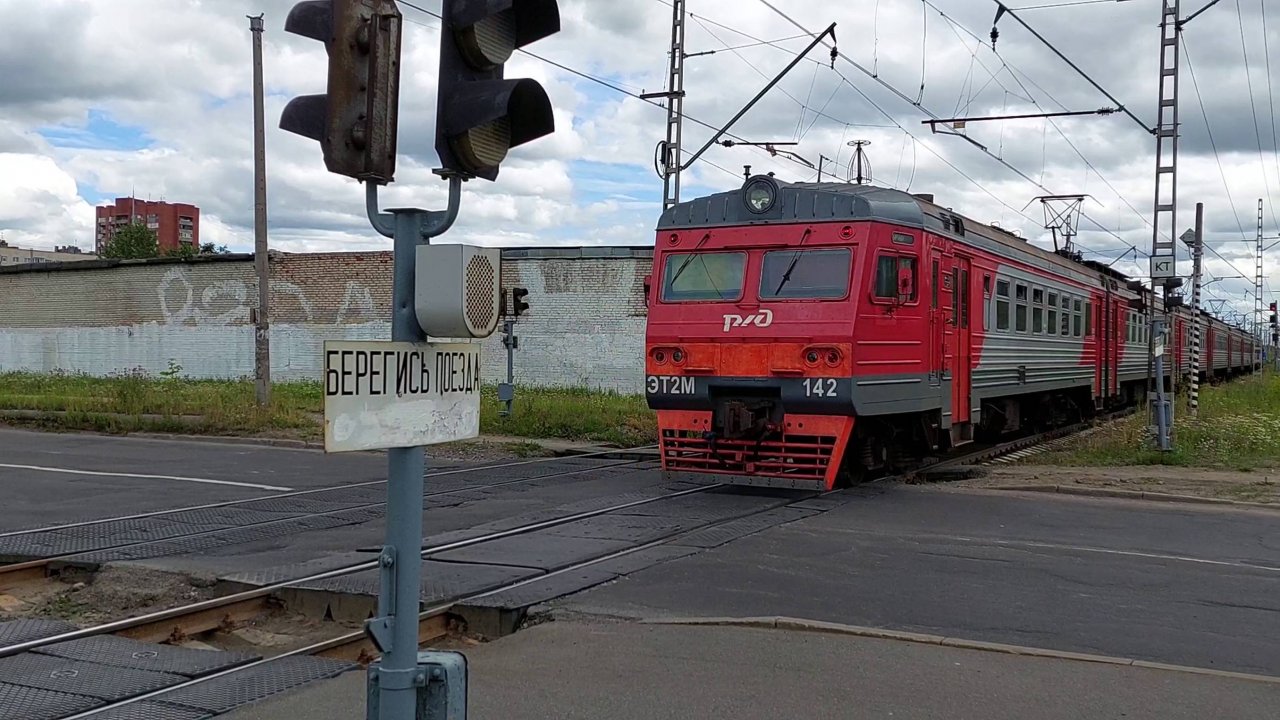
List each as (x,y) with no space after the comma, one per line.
(634,528)
(137,530)
(796,456)
(241,688)
(482,293)
(35,545)
(534,550)
(144,710)
(641,559)
(301,505)
(707,507)
(290,571)
(545,589)
(26,703)
(720,534)
(82,678)
(127,653)
(17,631)
(450,581)
(228,516)
(231,536)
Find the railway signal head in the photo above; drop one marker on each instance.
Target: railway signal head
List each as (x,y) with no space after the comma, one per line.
(355,119)
(518,303)
(479,115)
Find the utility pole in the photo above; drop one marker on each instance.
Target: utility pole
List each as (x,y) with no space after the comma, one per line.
(1196,242)
(262,326)
(1163,247)
(667,157)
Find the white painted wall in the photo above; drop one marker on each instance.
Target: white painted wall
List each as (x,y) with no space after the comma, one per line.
(585,326)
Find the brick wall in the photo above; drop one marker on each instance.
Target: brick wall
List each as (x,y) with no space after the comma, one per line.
(585,326)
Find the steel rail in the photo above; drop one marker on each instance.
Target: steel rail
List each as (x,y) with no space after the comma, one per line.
(310,491)
(25,571)
(266,590)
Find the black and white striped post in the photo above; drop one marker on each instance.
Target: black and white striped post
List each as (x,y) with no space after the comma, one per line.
(1196,242)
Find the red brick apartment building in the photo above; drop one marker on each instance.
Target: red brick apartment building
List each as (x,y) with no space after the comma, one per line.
(175,224)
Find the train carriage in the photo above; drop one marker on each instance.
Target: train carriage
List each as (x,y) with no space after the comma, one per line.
(800,331)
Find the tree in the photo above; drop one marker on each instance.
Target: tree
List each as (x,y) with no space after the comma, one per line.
(132,242)
(209,249)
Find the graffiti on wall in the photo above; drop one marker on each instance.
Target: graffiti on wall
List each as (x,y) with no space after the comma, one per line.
(228,302)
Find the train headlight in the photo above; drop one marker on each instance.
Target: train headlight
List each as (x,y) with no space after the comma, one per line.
(760,193)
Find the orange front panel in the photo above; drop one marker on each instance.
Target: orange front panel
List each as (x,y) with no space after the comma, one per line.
(749,359)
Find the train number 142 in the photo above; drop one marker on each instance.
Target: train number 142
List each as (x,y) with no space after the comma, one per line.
(820,387)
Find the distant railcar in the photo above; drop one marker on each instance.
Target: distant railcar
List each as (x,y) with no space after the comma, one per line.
(798,333)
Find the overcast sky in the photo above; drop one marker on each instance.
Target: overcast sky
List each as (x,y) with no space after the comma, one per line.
(153,98)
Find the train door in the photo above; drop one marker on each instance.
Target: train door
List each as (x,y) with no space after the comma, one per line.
(937,366)
(1102,325)
(961,312)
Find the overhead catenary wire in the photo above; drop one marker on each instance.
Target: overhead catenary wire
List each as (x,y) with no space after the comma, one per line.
(1266,49)
(845,80)
(605,83)
(1253,106)
(1014,73)
(843,56)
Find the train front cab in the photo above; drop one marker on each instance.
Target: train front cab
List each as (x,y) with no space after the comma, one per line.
(748,355)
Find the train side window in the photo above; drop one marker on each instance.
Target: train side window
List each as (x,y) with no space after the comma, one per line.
(1052,325)
(1088,319)
(935,285)
(956,294)
(1002,304)
(908,263)
(888,268)
(1077,328)
(1020,311)
(1065,329)
(1037,311)
(964,298)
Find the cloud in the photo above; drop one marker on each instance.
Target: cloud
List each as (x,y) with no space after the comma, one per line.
(154,98)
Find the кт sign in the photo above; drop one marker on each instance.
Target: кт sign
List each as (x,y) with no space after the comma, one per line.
(380,395)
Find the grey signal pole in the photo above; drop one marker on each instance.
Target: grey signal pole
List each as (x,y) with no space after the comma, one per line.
(395,629)
(262,326)
(1197,252)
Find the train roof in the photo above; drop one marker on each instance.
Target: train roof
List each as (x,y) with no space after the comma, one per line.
(846,202)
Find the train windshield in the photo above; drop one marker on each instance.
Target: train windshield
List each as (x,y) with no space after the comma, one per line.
(689,277)
(812,274)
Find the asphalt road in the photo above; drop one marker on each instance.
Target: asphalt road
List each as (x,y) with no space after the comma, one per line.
(575,671)
(1170,583)
(49,478)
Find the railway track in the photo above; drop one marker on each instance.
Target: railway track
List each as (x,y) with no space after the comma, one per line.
(35,571)
(434,621)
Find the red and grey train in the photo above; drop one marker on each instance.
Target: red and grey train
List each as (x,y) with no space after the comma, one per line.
(799,333)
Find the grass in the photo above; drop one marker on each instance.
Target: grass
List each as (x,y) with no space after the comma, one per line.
(571,414)
(137,402)
(1238,428)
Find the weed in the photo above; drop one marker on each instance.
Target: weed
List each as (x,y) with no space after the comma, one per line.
(1238,428)
(133,401)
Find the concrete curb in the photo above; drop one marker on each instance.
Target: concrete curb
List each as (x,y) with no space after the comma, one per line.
(803,625)
(1131,495)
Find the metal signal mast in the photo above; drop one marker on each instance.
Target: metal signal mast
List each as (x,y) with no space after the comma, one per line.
(667,156)
(1257,279)
(1164,223)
